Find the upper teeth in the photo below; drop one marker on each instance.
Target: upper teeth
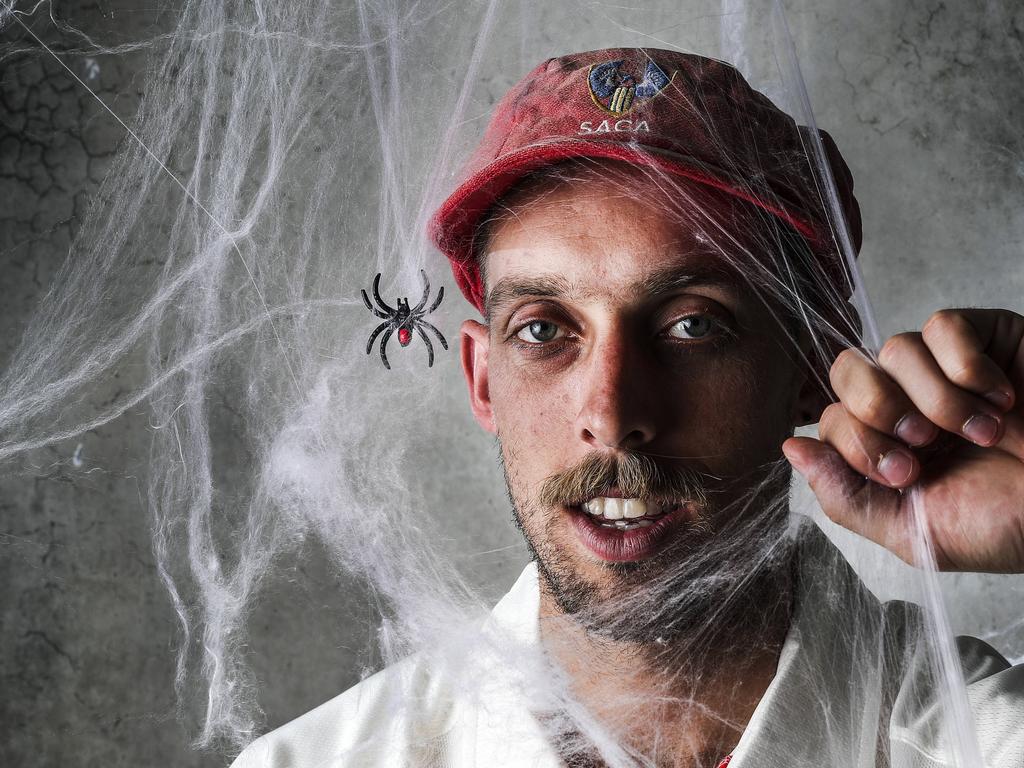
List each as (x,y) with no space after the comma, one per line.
(617,509)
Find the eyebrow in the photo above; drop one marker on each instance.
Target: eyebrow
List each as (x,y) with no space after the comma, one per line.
(659,283)
(510,288)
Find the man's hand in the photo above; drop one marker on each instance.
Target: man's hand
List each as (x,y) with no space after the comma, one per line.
(943,408)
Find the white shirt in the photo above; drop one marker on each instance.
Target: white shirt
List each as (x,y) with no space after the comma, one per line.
(852,688)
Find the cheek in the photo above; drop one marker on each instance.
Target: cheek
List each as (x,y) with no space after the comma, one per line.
(768,389)
(734,412)
(533,416)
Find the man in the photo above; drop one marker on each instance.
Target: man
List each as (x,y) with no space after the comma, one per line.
(664,301)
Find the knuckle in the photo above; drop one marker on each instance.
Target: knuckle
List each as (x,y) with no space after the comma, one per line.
(875,406)
(831,417)
(969,374)
(944,323)
(946,407)
(896,346)
(843,363)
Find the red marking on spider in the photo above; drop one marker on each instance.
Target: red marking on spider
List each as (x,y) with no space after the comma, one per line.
(404,336)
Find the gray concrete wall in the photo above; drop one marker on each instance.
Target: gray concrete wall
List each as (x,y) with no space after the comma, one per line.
(923,97)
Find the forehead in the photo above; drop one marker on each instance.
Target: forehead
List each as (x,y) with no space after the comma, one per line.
(624,231)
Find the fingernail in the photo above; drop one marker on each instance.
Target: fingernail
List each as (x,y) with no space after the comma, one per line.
(896,466)
(981,429)
(914,429)
(1000,399)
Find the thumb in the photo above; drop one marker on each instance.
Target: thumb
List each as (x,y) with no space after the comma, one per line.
(847,498)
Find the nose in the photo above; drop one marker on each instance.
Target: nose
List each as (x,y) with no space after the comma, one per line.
(617,396)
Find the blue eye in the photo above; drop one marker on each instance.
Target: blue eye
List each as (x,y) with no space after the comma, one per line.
(539,332)
(693,327)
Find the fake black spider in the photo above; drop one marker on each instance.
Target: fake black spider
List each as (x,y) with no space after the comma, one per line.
(403,320)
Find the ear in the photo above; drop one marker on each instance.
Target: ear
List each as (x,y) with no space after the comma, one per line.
(812,400)
(815,393)
(476,343)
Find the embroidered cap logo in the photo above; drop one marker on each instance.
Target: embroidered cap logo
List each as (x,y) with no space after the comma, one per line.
(617,91)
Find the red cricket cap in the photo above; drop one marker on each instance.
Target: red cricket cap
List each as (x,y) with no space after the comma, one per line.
(683,114)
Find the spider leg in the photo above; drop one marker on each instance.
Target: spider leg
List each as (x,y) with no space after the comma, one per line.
(383,344)
(437,300)
(440,336)
(375,334)
(376,295)
(369,306)
(430,347)
(426,292)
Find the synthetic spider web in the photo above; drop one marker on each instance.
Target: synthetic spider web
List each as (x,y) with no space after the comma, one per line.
(204,345)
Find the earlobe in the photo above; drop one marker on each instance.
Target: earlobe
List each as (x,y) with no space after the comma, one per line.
(814,397)
(809,413)
(475,346)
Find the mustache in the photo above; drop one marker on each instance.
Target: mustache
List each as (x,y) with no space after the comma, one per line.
(634,474)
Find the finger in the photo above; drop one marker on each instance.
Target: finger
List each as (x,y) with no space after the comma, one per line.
(911,365)
(871,453)
(873,398)
(849,500)
(1007,349)
(958,340)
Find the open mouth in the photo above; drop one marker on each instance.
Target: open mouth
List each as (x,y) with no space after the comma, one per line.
(617,529)
(627,514)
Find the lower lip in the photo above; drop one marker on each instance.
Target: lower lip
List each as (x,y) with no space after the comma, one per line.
(618,546)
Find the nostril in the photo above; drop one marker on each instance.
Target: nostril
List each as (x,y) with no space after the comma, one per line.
(631,440)
(615,416)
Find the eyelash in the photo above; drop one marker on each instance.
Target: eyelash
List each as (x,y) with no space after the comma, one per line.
(720,333)
(538,348)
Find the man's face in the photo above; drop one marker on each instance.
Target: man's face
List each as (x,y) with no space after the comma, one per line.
(624,357)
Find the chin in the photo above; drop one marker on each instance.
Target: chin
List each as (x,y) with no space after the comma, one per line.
(696,588)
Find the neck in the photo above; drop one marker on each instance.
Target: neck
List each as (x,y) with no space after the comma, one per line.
(682,701)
